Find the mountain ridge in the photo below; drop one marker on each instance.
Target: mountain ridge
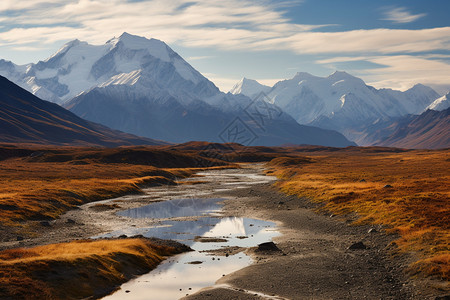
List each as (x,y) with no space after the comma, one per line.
(429,130)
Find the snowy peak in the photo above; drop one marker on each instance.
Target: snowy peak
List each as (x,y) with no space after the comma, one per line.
(249,87)
(78,67)
(419,97)
(420,89)
(155,47)
(300,76)
(340,76)
(441,103)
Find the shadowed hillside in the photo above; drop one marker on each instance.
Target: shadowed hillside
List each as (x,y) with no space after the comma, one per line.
(24,118)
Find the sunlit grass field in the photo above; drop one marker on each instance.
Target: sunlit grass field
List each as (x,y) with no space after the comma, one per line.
(408,192)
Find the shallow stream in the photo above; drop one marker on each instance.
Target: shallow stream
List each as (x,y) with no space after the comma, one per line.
(217,242)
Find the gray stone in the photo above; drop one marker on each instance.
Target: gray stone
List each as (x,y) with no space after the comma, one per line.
(357,246)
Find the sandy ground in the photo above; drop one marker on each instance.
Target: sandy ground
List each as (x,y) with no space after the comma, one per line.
(315,261)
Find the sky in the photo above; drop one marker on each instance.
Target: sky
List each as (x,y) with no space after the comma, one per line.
(387,43)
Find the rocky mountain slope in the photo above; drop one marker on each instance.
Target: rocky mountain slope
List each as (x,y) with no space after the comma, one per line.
(430,130)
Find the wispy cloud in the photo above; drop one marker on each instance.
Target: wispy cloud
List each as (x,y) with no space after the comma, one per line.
(400,15)
(199,57)
(231,25)
(238,25)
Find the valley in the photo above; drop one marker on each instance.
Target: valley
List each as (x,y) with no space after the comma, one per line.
(319,220)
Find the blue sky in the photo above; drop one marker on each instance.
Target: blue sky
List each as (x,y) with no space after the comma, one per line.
(387,43)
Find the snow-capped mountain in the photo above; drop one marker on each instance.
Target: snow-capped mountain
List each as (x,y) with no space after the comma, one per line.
(344,102)
(441,103)
(249,87)
(141,86)
(79,66)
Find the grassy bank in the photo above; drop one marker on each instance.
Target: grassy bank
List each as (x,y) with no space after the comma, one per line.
(407,191)
(78,269)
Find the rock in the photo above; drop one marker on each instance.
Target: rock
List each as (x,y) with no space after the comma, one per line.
(202,239)
(45,223)
(357,246)
(268,246)
(138,236)
(195,262)
(387,186)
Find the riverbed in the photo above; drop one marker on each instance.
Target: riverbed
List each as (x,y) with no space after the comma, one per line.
(315,261)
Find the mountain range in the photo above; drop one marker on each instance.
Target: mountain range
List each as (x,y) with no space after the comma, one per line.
(143,87)
(342,102)
(24,118)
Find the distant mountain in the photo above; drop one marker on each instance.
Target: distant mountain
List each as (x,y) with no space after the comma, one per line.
(441,103)
(430,130)
(344,102)
(143,87)
(249,87)
(24,118)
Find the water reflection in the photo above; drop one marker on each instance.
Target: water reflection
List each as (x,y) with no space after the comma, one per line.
(240,232)
(189,207)
(175,277)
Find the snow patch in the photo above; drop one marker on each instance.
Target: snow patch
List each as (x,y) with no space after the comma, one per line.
(441,103)
(123,79)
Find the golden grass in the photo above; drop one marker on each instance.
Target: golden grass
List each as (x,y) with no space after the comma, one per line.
(416,206)
(78,269)
(48,184)
(34,191)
